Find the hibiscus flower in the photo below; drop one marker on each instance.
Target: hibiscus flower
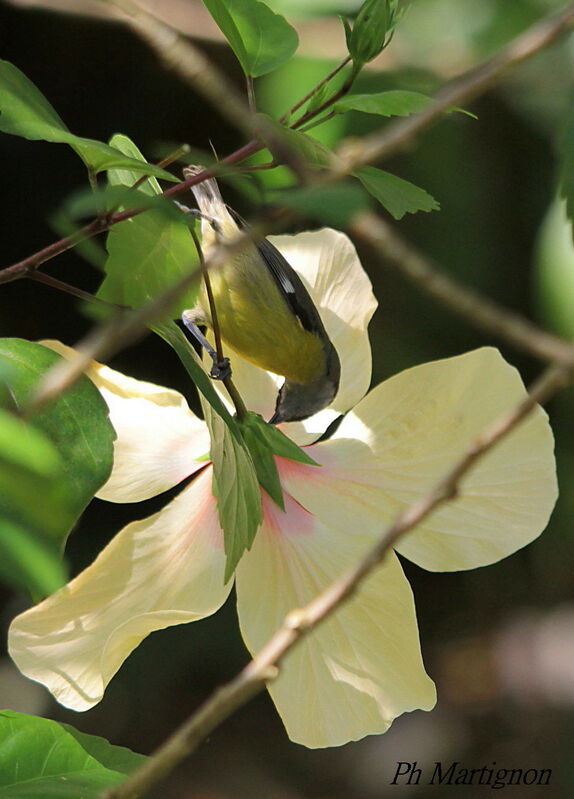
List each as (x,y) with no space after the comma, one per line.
(362,667)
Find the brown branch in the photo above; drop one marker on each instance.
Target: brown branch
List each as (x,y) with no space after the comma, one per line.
(464,301)
(264,667)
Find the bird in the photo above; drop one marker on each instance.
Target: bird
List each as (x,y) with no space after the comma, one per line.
(264,312)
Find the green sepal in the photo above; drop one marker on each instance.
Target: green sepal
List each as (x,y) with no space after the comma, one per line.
(282,445)
(252,429)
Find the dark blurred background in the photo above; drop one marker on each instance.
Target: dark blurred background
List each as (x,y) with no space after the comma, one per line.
(499,641)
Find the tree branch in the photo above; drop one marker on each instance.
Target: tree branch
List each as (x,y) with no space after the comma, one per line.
(390,247)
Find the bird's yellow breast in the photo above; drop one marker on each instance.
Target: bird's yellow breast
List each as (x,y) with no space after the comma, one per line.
(258,324)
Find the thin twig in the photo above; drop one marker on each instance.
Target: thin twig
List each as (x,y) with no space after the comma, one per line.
(53,282)
(464,301)
(264,667)
(308,115)
(313,91)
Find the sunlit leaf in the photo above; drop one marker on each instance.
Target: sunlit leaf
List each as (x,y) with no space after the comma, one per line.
(43,758)
(236,488)
(76,422)
(150,252)
(260,39)
(234,479)
(34,508)
(252,429)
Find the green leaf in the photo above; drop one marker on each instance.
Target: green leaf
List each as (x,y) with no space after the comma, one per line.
(398,196)
(50,468)
(76,422)
(150,252)
(332,205)
(392,103)
(282,446)
(43,759)
(252,429)
(261,40)
(234,481)
(276,136)
(236,488)
(387,104)
(34,508)
(264,441)
(24,111)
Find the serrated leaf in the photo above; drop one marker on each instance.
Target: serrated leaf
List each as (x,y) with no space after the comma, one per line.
(236,489)
(150,252)
(261,40)
(333,205)
(234,481)
(24,111)
(76,422)
(397,196)
(43,758)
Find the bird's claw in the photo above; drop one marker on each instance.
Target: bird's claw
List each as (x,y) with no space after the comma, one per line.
(221,370)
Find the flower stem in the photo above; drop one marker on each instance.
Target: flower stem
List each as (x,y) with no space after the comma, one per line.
(310,94)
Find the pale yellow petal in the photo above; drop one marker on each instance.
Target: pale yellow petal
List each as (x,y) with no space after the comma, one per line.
(159,440)
(164,570)
(407,433)
(360,669)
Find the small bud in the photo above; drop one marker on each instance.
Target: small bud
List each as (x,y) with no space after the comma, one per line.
(372,30)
